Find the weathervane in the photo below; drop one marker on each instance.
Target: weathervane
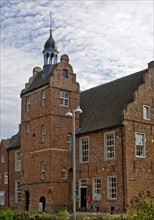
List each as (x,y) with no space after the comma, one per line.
(50,21)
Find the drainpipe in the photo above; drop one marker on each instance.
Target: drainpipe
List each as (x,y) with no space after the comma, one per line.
(123,166)
(8,179)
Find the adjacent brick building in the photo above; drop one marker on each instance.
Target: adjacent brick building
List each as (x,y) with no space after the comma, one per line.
(4,173)
(114,140)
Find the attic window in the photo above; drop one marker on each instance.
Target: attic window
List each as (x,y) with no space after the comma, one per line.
(65,73)
(146,112)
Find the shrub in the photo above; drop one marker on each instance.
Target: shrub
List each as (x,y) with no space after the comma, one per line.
(63,215)
(7,215)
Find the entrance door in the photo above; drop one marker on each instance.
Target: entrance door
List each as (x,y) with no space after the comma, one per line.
(83,197)
(42,201)
(27,200)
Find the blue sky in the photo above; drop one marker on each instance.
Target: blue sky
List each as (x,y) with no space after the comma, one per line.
(104,40)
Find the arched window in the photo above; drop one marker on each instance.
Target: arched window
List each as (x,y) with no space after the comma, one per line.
(42,170)
(63,173)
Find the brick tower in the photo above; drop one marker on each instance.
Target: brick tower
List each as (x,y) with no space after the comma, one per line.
(46,167)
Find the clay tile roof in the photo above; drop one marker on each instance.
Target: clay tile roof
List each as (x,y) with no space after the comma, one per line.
(15,141)
(102,105)
(42,78)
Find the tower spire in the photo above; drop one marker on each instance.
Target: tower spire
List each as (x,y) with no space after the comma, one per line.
(50,48)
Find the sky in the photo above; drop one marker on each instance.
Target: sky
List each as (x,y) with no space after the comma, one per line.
(104,40)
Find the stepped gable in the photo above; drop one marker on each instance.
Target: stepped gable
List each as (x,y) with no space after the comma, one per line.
(42,78)
(102,106)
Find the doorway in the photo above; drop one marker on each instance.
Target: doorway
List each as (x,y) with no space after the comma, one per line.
(83,193)
(83,197)
(42,202)
(27,195)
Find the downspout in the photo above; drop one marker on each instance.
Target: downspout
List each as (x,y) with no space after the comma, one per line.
(8,202)
(123,167)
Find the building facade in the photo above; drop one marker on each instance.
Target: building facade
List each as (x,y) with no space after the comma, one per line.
(114,140)
(4,174)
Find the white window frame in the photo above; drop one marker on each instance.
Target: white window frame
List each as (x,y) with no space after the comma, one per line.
(2,198)
(69,142)
(146,112)
(5,177)
(64,98)
(17,161)
(27,103)
(3,159)
(63,173)
(139,144)
(111,189)
(84,149)
(43,98)
(43,133)
(17,192)
(97,188)
(109,147)
(43,170)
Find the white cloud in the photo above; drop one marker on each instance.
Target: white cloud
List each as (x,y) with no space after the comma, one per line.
(105,40)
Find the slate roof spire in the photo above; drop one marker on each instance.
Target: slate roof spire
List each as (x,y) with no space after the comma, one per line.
(50,48)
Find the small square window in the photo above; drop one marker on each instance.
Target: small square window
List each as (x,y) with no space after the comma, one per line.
(64,98)
(65,73)
(146,112)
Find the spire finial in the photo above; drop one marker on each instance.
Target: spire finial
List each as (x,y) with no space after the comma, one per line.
(50,21)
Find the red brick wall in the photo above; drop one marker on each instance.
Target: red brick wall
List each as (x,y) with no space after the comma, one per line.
(3,169)
(99,167)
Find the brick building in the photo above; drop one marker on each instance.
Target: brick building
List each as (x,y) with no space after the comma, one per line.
(14,167)
(3,173)
(114,139)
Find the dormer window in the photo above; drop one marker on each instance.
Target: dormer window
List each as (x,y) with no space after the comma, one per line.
(146,112)
(64,98)
(65,73)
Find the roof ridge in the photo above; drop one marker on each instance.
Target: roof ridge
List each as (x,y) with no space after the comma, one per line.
(114,80)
